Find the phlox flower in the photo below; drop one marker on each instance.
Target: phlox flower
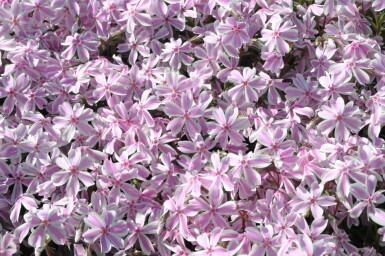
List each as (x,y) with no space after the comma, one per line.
(8,245)
(227,126)
(108,87)
(304,90)
(165,18)
(367,196)
(219,172)
(175,53)
(135,14)
(351,67)
(14,90)
(106,229)
(334,86)
(323,61)
(215,209)
(81,44)
(139,231)
(378,5)
(73,118)
(277,37)
(118,180)
(185,113)
(339,117)
(74,168)
(145,104)
(12,176)
(43,222)
(179,211)
(312,200)
(27,201)
(265,240)
(234,32)
(209,244)
(273,61)
(246,84)
(246,164)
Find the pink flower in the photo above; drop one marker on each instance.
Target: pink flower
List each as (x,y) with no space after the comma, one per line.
(72,119)
(14,90)
(106,229)
(179,212)
(273,61)
(139,231)
(227,126)
(218,173)
(215,209)
(175,53)
(246,84)
(209,244)
(72,172)
(8,245)
(135,14)
(323,58)
(304,90)
(357,50)
(334,86)
(145,104)
(339,117)
(165,18)
(367,196)
(186,113)
(353,67)
(378,5)
(273,139)
(277,37)
(43,222)
(245,164)
(27,201)
(108,87)
(80,44)
(234,32)
(118,180)
(136,44)
(312,200)
(265,243)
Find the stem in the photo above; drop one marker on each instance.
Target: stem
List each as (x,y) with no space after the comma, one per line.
(336,209)
(272,177)
(47,250)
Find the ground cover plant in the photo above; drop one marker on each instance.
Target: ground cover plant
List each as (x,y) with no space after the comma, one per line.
(192,127)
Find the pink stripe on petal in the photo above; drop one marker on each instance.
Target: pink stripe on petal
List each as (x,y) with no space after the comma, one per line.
(145,244)
(94,220)
(105,244)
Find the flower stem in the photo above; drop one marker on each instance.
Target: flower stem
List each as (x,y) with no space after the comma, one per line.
(47,250)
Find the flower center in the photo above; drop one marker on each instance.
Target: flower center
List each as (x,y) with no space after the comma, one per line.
(74,119)
(73,170)
(276,34)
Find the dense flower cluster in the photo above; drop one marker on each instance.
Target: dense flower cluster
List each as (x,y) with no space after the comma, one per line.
(192,127)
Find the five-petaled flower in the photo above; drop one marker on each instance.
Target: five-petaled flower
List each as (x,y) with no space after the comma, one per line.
(106,229)
(339,117)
